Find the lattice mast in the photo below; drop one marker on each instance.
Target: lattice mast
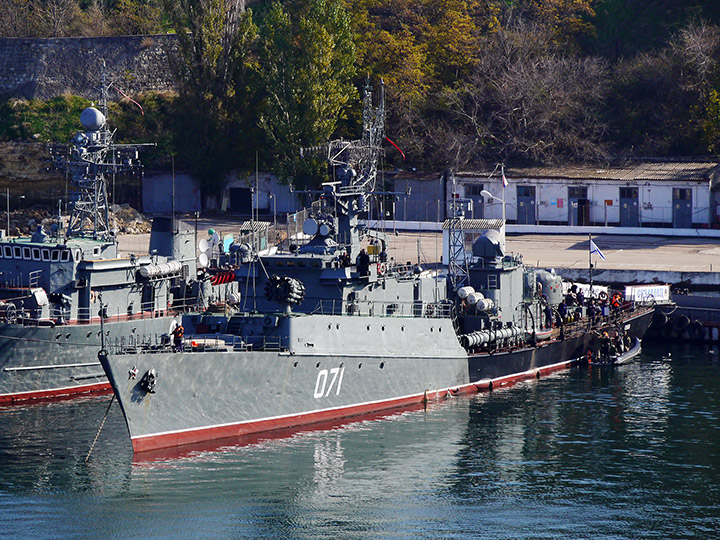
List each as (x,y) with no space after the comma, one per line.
(89,160)
(458,272)
(355,164)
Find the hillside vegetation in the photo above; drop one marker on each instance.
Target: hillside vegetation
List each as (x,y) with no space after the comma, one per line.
(468,83)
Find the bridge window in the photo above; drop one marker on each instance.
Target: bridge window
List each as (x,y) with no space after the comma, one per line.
(17,252)
(35,254)
(27,253)
(65,255)
(46,254)
(55,255)
(7,250)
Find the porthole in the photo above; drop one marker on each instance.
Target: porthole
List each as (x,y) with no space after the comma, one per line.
(317,365)
(440,329)
(382,365)
(58,336)
(368,327)
(402,328)
(337,327)
(432,329)
(295,364)
(329,326)
(88,335)
(382,328)
(359,365)
(67,336)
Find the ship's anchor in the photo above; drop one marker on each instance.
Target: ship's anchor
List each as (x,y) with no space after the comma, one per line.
(149,381)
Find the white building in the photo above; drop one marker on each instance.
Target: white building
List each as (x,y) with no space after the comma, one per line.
(648,194)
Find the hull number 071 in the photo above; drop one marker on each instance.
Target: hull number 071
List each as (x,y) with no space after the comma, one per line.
(328,381)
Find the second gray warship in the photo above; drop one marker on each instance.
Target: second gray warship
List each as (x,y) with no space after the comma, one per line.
(59,288)
(332,328)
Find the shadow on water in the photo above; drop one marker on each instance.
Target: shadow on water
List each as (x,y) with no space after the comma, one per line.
(627,453)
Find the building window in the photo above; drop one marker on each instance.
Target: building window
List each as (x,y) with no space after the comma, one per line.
(526,191)
(682,194)
(473,190)
(577,193)
(628,193)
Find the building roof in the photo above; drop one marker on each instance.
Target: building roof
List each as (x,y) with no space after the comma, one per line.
(702,171)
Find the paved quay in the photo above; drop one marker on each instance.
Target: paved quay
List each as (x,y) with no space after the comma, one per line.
(639,254)
(648,253)
(561,251)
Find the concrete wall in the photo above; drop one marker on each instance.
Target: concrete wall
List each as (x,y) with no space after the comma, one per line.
(45,68)
(425,201)
(157,190)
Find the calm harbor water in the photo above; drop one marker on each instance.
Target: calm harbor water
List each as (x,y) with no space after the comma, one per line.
(629,453)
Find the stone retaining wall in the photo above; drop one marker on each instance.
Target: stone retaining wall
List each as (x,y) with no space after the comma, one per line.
(45,68)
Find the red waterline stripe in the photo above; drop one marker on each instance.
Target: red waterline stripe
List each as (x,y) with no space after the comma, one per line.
(55,393)
(167,440)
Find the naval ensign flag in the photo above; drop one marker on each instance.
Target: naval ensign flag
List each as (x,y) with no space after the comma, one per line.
(595,249)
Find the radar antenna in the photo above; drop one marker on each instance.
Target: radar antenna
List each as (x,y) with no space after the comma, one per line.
(89,159)
(355,167)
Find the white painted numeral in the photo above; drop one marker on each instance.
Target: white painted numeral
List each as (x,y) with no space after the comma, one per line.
(322,388)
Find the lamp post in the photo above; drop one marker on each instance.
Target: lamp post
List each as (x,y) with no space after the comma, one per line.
(487,194)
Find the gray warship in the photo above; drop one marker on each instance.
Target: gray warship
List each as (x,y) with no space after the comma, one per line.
(333,329)
(58,288)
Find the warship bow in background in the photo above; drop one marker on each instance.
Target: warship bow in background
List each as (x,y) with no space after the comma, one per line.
(57,287)
(334,329)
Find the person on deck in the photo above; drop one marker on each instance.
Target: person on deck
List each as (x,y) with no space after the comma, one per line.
(178,335)
(363,263)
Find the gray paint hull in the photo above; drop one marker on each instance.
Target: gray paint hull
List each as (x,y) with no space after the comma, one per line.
(200,396)
(40,362)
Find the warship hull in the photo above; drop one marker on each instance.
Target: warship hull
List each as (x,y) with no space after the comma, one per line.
(44,362)
(201,396)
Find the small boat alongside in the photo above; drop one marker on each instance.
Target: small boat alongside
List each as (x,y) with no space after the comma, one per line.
(617,358)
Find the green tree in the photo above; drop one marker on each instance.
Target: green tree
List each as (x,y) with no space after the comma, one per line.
(130,17)
(661,103)
(306,71)
(214,48)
